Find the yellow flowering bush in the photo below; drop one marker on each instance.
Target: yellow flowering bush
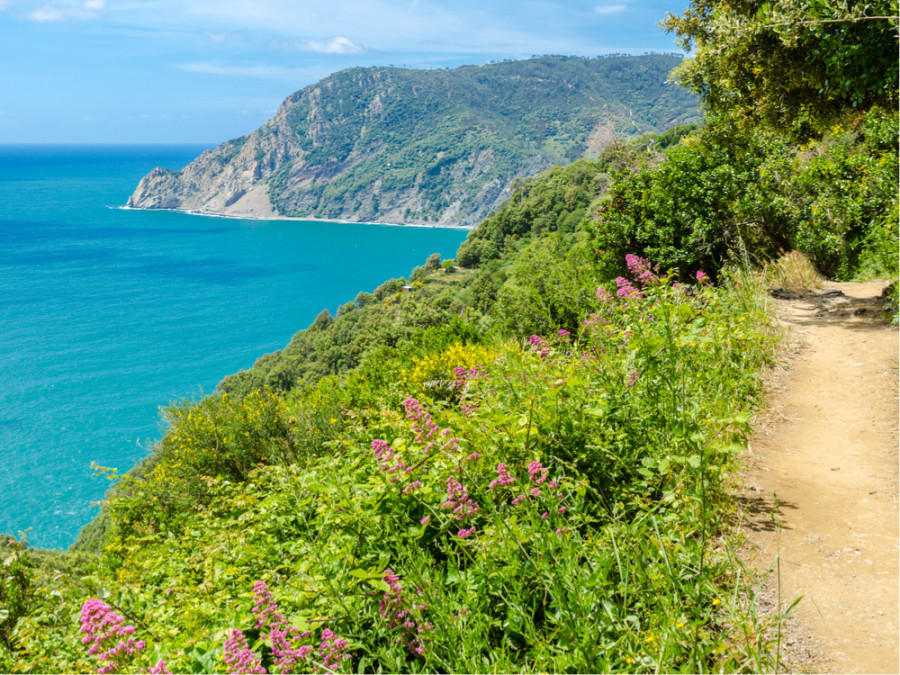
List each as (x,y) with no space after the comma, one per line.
(441,365)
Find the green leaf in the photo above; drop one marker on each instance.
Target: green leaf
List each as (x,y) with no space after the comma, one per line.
(380,584)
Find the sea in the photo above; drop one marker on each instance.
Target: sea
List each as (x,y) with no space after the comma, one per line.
(108,314)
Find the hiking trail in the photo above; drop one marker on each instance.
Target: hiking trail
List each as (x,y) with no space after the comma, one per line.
(827,447)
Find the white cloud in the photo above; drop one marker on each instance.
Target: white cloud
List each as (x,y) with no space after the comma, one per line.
(46,13)
(336,45)
(254,70)
(610,9)
(61,10)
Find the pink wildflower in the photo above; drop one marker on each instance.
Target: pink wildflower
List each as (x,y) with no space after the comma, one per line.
(159,669)
(238,656)
(332,649)
(459,500)
(503,477)
(464,534)
(464,376)
(537,472)
(412,486)
(102,627)
(604,296)
(641,269)
(281,635)
(626,290)
(395,610)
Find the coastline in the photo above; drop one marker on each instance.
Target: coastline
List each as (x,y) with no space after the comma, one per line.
(209,214)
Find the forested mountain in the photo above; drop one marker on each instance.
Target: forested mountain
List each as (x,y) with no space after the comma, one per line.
(425,146)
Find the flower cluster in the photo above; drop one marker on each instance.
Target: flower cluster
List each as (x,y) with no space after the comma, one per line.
(332,650)
(539,345)
(503,477)
(159,669)
(626,289)
(238,656)
(281,634)
(415,412)
(428,429)
(465,375)
(643,274)
(394,609)
(641,269)
(459,500)
(109,640)
(412,486)
(386,456)
(604,296)
(465,533)
(537,473)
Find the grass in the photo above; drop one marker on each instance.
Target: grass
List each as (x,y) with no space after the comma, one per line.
(794,272)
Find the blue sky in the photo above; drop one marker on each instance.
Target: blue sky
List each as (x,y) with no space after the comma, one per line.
(204,71)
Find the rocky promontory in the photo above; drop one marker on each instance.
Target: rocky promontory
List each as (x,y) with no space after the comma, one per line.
(423,146)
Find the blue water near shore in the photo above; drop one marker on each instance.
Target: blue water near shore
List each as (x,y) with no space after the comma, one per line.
(107,314)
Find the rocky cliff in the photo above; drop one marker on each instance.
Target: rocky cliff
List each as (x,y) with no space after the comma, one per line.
(415,146)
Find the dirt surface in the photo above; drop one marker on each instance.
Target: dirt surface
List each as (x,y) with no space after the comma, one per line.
(827,447)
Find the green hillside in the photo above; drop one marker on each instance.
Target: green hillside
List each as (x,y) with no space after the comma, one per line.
(522,460)
(425,146)
(429,128)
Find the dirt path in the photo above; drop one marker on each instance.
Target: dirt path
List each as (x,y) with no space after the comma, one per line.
(828,448)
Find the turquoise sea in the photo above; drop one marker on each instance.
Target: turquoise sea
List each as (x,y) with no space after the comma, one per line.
(107,314)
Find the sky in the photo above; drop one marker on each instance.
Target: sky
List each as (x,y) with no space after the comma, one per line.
(205,71)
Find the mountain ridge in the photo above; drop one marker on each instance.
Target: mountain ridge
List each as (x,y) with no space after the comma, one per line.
(438,147)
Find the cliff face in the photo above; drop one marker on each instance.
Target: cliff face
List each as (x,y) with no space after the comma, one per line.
(408,146)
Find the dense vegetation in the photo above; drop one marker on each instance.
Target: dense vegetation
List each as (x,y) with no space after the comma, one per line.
(520,461)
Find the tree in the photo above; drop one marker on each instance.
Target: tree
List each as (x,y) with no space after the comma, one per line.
(433,264)
(793,64)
